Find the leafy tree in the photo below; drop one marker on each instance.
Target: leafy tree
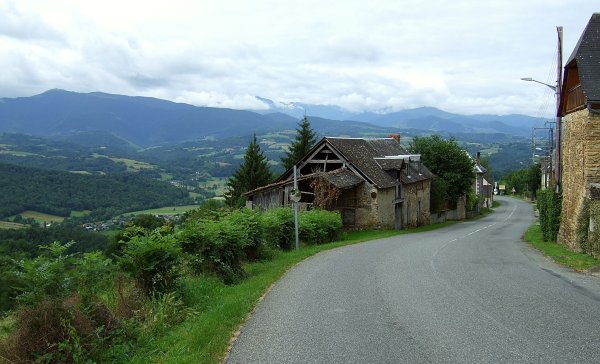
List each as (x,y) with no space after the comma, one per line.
(448,161)
(306,138)
(253,173)
(148,221)
(534,178)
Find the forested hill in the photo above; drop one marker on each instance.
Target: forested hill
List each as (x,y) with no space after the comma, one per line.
(58,193)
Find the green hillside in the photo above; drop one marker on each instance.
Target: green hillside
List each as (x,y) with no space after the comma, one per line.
(58,193)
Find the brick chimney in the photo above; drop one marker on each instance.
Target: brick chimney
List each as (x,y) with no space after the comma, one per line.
(396,137)
(478,158)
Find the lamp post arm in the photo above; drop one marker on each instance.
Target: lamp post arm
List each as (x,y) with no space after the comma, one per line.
(540,82)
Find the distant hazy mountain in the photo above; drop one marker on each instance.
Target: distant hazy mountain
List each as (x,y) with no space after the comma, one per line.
(422,118)
(141,120)
(124,121)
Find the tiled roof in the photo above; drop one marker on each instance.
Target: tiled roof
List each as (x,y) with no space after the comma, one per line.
(362,154)
(587,56)
(342,178)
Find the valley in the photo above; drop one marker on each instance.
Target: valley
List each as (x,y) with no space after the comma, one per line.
(195,150)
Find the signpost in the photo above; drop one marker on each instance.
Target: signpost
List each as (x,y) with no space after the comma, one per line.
(295,197)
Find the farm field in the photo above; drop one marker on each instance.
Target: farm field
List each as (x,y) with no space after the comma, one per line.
(40,217)
(167,210)
(80,213)
(215,184)
(10,225)
(131,164)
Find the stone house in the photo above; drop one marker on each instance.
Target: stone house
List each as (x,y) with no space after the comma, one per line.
(580,107)
(483,187)
(373,183)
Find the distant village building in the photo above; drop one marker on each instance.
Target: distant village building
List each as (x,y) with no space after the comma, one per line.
(483,187)
(371,182)
(580,107)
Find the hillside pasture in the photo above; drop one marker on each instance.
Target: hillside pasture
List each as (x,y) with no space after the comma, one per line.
(19,153)
(215,184)
(167,210)
(41,217)
(131,164)
(11,225)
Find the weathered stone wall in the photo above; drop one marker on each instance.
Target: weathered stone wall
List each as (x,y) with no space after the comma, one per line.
(365,207)
(415,210)
(580,167)
(374,208)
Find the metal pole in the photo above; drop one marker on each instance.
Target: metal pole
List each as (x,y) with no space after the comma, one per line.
(296,210)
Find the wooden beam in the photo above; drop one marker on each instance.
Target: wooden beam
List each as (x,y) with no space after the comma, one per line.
(324,161)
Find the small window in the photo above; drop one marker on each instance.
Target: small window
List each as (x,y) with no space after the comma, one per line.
(349,216)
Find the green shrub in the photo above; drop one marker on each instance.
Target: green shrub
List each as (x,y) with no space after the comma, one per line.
(472,200)
(319,226)
(278,228)
(95,275)
(46,276)
(583,225)
(250,223)
(549,207)
(165,310)
(218,246)
(152,260)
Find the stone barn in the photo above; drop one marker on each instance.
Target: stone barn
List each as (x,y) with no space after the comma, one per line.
(580,107)
(373,183)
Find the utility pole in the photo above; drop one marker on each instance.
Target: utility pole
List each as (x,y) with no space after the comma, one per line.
(296,200)
(558,150)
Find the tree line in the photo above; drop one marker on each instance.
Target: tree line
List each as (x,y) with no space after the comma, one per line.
(59,193)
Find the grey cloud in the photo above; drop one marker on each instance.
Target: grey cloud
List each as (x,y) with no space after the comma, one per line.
(25,26)
(140,81)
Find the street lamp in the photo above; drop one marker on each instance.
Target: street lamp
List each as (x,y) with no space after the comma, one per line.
(543,83)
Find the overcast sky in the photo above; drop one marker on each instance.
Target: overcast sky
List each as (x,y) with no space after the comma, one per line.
(459,56)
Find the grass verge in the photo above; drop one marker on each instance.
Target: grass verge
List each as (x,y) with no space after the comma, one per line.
(559,253)
(222,309)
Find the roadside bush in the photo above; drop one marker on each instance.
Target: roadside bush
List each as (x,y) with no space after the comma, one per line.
(249,221)
(217,245)
(319,226)
(165,310)
(278,228)
(472,200)
(549,207)
(152,260)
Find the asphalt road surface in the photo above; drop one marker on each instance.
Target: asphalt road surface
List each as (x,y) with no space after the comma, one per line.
(469,293)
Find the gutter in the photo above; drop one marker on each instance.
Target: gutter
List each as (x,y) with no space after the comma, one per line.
(592,110)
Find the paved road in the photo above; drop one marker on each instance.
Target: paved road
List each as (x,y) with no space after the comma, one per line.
(469,293)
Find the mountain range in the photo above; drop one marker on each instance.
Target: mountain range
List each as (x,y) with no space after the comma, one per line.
(145,121)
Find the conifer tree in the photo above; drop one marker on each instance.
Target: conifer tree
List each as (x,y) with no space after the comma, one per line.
(306,138)
(252,173)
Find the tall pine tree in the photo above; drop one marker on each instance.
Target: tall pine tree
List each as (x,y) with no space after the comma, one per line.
(252,173)
(305,140)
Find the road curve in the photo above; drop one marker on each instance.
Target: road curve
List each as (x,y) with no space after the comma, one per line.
(469,293)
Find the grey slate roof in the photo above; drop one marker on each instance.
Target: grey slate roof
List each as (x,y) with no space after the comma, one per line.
(587,56)
(361,153)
